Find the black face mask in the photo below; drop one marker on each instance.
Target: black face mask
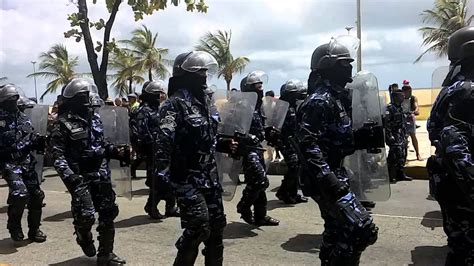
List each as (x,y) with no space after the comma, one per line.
(80,105)
(195,83)
(10,106)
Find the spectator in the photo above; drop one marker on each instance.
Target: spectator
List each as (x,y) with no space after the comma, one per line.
(411,109)
(118,101)
(134,104)
(125,102)
(270,93)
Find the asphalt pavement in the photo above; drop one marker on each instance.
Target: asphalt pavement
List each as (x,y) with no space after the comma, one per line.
(410,231)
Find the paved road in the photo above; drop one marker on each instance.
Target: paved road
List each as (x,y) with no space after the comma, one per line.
(410,232)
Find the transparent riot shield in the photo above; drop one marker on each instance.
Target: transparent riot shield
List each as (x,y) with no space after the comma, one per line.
(275,112)
(236,116)
(368,169)
(39,120)
(116,130)
(437,79)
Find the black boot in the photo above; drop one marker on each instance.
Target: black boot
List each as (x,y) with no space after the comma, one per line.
(345,261)
(367,204)
(85,241)
(15,212)
(401,176)
(105,255)
(110,259)
(283,194)
(266,221)
(171,209)
(152,211)
(34,233)
(245,212)
(300,198)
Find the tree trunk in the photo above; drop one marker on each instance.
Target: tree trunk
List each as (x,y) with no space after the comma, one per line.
(99,74)
(130,83)
(150,75)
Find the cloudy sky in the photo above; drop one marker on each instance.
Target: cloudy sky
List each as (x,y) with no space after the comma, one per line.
(277,35)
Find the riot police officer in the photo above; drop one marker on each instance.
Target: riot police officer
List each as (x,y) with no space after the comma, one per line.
(451,131)
(81,158)
(395,136)
(17,166)
(254,165)
(185,156)
(144,127)
(324,136)
(293,91)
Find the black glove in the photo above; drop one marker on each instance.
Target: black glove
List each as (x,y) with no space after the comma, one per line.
(124,155)
(369,137)
(39,143)
(224,143)
(272,135)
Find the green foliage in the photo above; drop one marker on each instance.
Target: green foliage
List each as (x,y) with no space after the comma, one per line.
(218,45)
(81,24)
(148,58)
(123,62)
(56,64)
(446,17)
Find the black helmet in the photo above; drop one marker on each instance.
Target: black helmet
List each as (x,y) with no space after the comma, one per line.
(325,56)
(252,78)
(293,90)
(461,44)
(82,86)
(8,91)
(193,62)
(155,88)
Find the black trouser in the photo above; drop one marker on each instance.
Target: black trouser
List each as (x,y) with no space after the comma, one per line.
(289,184)
(458,221)
(24,191)
(257,182)
(90,194)
(203,220)
(158,190)
(396,160)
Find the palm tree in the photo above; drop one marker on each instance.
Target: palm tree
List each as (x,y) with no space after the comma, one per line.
(57,65)
(218,45)
(123,62)
(149,58)
(447,16)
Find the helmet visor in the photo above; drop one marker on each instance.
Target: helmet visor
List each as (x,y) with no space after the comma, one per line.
(257,77)
(198,61)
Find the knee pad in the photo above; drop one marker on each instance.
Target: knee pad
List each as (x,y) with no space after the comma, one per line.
(18,197)
(109,213)
(36,199)
(82,220)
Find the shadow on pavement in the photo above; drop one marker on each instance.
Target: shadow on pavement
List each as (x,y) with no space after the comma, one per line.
(136,221)
(8,246)
(432,219)
(275,204)
(3,185)
(4,209)
(236,230)
(140,192)
(275,189)
(59,217)
(428,255)
(51,175)
(303,243)
(77,261)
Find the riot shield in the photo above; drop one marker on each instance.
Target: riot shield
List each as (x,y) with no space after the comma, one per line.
(275,112)
(437,78)
(369,180)
(236,116)
(39,120)
(116,130)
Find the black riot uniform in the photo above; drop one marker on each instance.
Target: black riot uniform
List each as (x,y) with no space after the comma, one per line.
(253,162)
(293,92)
(324,137)
(144,129)
(451,130)
(81,158)
(17,166)
(184,155)
(395,137)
